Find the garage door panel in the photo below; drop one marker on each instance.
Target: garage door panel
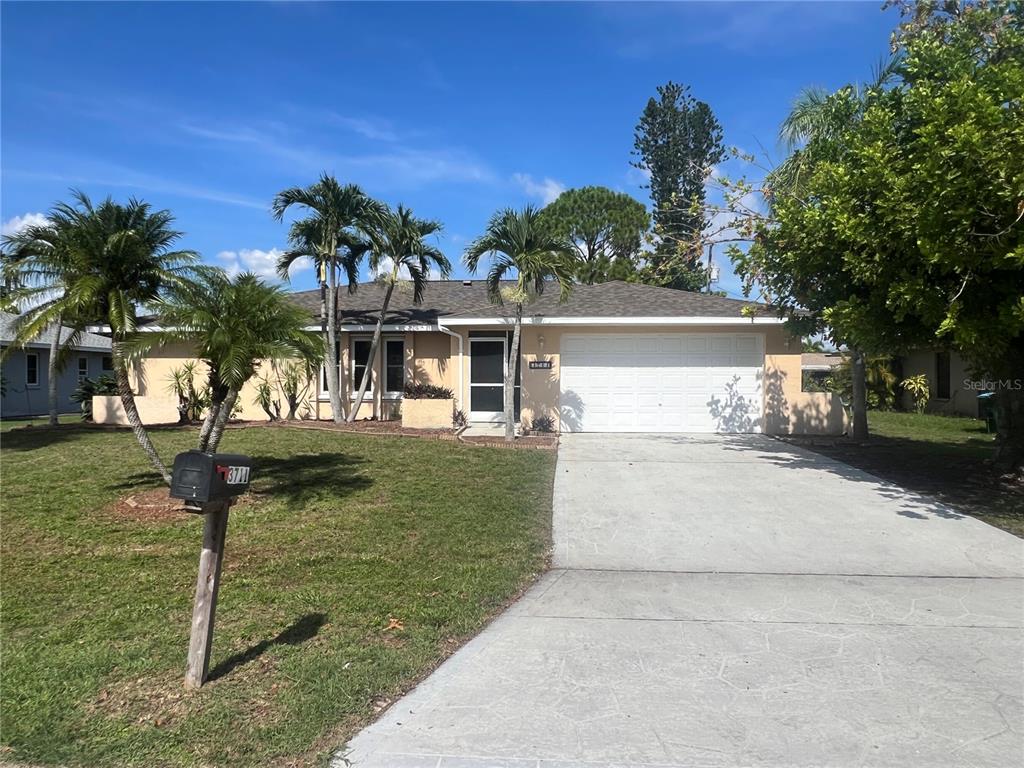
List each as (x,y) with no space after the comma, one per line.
(662,382)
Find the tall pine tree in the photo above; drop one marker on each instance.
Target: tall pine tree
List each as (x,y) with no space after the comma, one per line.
(677,141)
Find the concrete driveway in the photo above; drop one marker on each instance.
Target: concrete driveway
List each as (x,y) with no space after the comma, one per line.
(733,601)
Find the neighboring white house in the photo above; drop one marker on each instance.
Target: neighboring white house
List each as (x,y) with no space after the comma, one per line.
(26,371)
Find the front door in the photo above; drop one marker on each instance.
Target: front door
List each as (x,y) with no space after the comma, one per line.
(487,361)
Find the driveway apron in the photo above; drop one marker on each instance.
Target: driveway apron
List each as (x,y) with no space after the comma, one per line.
(729,601)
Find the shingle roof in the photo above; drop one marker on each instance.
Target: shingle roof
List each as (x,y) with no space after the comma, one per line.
(451,299)
(86,341)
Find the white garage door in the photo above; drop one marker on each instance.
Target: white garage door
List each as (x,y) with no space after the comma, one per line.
(681,382)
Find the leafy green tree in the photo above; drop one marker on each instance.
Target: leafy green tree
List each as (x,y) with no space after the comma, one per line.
(606,229)
(235,326)
(524,251)
(909,232)
(120,257)
(333,235)
(677,141)
(398,243)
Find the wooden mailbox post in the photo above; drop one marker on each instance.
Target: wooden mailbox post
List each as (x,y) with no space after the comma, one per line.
(208,483)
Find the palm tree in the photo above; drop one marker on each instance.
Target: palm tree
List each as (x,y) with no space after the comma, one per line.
(38,263)
(120,257)
(233,325)
(333,237)
(524,249)
(398,242)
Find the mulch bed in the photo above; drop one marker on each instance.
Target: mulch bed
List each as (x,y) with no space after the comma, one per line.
(151,505)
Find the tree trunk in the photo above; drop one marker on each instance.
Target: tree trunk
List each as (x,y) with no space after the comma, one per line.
(333,384)
(374,345)
(1010,413)
(52,372)
(217,394)
(510,378)
(860,397)
(222,419)
(124,389)
(323,335)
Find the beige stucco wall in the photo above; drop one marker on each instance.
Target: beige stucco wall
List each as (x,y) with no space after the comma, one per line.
(962,400)
(427,414)
(427,361)
(157,404)
(107,409)
(788,410)
(432,358)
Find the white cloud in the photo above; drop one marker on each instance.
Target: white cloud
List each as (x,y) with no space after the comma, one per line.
(18,223)
(374,129)
(385,267)
(262,263)
(547,190)
(398,166)
(638,176)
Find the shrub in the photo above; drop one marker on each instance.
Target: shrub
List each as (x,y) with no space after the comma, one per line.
(542,424)
(265,400)
(104,385)
(917,387)
(459,419)
(427,392)
(192,400)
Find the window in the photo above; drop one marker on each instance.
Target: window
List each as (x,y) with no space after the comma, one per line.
(942,375)
(394,366)
(360,357)
(83,369)
(108,363)
(31,369)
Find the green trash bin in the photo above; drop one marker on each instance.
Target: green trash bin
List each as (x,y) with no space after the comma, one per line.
(987,410)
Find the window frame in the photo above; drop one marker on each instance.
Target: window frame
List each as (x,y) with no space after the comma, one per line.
(83,375)
(34,356)
(353,381)
(392,394)
(103,363)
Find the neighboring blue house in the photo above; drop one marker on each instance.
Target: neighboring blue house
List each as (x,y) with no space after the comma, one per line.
(26,371)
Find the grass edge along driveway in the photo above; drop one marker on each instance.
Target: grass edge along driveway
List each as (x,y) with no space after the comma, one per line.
(354,568)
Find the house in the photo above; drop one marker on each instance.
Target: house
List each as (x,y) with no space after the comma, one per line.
(954,388)
(26,371)
(615,357)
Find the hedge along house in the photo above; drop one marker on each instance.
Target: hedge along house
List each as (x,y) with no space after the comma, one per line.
(615,357)
(26,372)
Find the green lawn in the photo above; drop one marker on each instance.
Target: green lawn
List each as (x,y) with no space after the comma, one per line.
(959,436)
(943,456)
(345,537)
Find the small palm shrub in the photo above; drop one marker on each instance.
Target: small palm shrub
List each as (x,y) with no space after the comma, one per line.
(265,400)
(917,387)
(192,400)
(459,419)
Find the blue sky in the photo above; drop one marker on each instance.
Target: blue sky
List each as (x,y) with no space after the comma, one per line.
(456,110)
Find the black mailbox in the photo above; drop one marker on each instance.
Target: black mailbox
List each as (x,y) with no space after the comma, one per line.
(204,477)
